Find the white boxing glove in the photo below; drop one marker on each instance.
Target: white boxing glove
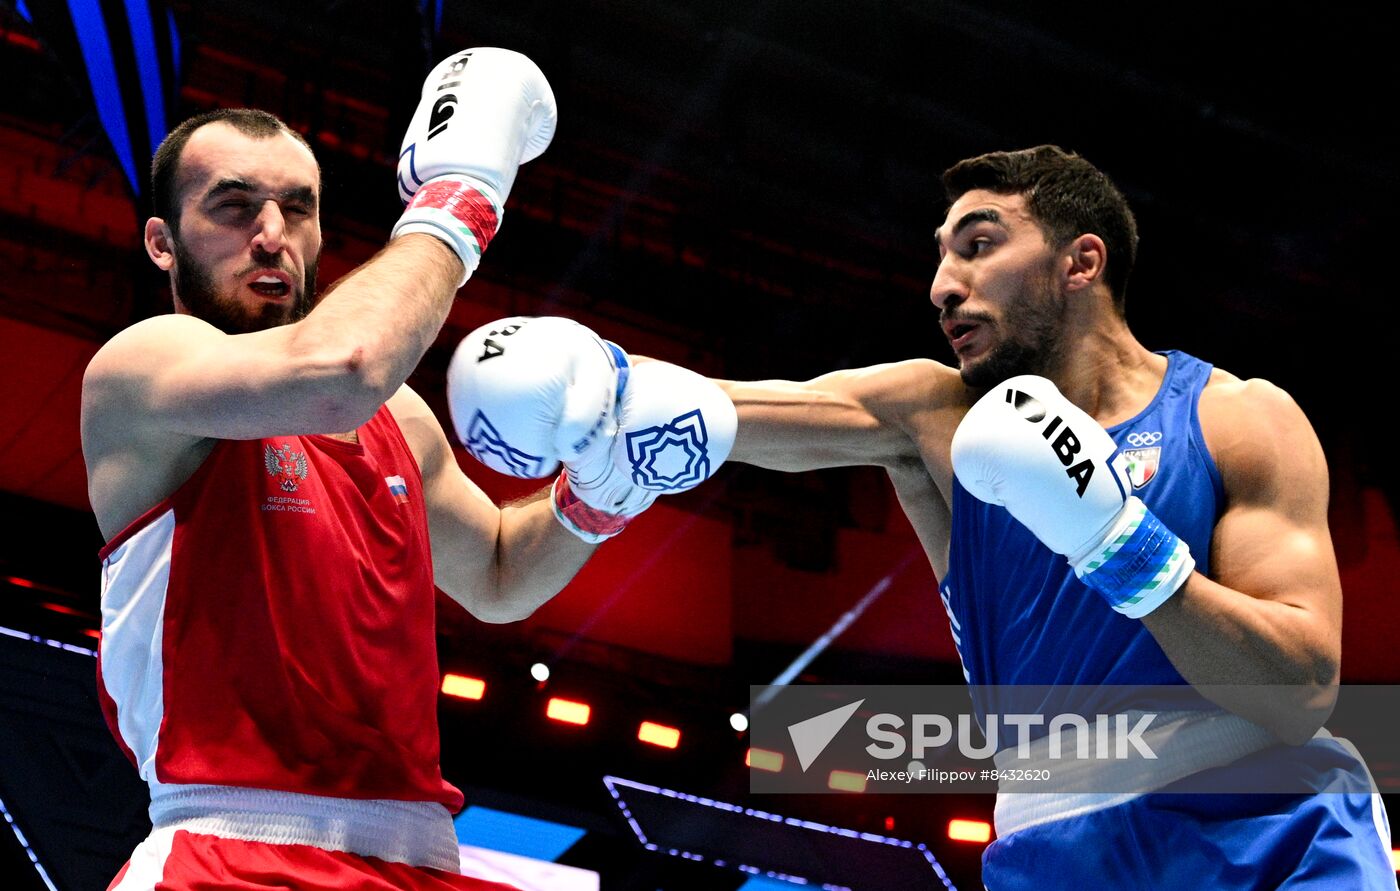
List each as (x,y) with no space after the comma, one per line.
(525,393)
(483,113)
(1026,447)
(675,428)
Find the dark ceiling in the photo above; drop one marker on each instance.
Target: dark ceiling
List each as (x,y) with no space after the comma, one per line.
(803,141)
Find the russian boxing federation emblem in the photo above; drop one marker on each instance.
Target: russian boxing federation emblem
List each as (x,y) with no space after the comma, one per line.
(482,439)
(286,465)
(670,456)
(1143,460)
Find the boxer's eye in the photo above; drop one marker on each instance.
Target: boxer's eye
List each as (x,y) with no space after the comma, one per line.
(975,247)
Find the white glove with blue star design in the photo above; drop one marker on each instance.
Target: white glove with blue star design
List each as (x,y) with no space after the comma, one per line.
(527,394)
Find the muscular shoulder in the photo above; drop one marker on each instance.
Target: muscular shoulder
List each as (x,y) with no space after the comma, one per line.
(115,377)
(903,390)
(869,415)
(148,343)
(1259,436)
(116,383)
(923,400)
(1237,412)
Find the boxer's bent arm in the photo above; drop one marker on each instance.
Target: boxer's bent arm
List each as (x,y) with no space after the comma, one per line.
(859,416)
(1271,613)
(500,564)
(326,373)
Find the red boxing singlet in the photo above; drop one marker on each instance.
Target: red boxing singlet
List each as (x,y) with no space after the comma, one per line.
(271,624)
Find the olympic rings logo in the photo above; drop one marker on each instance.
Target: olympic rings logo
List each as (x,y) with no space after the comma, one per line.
(1144,439)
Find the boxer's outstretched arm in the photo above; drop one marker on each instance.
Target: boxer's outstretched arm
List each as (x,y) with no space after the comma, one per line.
(179,375)
(1271,612)
(501,563)
(858,416)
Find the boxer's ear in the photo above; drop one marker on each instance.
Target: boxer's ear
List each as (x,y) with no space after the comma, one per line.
(160,243)
(1083,261)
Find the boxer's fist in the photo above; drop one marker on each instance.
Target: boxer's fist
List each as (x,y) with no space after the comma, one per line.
(525,393)
(674,429)
(1026,447)
(483,113)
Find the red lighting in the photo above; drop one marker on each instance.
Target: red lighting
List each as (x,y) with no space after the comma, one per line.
(66,610)
(970,831)
(889,824)
(36,586)
(567,711)
(23,40)
(659,735)
(463,687)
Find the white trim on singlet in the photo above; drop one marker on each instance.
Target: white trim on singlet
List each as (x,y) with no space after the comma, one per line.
(135,580)
(1185,743)
(146,867)
(419,833)
(954,628)
(1378,816)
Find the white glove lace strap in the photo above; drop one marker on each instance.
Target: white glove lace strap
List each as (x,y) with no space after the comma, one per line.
(460,210)
(1137,564)
(588,523)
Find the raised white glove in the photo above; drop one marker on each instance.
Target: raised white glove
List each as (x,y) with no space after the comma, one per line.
(675,428)
(483,113)
(1026,447)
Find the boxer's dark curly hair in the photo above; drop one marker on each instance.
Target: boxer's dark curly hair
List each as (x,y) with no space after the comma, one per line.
(1066,194)
(165,164)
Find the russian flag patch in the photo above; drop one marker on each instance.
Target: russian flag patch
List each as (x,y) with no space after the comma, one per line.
(398,488)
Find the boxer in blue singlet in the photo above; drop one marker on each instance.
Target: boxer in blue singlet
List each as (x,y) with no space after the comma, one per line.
(1105,519)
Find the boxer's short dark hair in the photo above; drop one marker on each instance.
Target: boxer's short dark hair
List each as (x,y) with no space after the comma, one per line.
(1066,194)
(165,165)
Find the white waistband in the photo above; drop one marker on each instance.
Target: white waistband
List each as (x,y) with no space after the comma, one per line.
(1185,743)
(419,833)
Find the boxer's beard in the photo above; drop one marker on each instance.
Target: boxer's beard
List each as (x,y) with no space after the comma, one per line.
(1031,332)
(195,286)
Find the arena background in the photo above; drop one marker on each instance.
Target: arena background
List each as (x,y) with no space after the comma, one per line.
(748,189)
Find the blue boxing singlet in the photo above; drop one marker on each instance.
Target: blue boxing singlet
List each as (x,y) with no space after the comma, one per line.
(1020,616)
(1034,639)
